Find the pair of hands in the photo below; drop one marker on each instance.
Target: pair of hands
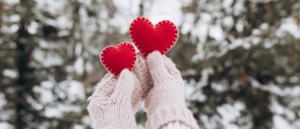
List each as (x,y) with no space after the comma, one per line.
(116,99)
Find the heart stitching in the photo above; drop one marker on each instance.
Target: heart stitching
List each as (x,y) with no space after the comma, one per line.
(148,37)
(117,58)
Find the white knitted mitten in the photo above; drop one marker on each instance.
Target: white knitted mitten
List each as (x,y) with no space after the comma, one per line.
(142,73)
(110,106)
(165,102)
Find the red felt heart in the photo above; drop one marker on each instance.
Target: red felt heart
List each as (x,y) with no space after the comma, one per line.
(117,58)
(148,37)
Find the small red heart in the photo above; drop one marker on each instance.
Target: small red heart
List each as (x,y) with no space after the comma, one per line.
(117,58)
(148,37)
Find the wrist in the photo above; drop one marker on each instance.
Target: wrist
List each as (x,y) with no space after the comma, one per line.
(169,113)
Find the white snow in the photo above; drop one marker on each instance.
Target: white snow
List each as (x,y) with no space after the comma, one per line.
(11,2)
(58,110)
(47,59)
(230,113)
(79,66)
(32,28)
(288,26)
(2,100)
(10,73)
(5,125)
(216,32)
(14,18)
(281,123)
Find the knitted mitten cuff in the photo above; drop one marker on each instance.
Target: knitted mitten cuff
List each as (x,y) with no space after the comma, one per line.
(168,114)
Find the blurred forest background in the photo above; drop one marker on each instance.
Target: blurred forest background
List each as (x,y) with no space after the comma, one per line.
(240,59)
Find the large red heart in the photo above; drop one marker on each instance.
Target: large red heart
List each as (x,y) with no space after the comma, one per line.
(148,37)
(117,58)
